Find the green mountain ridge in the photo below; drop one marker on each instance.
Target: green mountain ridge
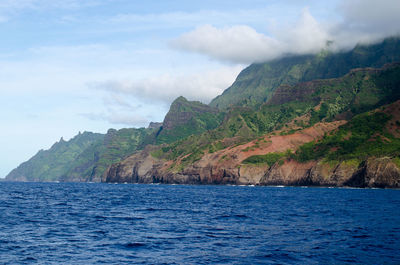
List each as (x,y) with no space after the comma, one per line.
(361,152)
(89,161)
(115,146)
(320,100)
(256,83)
(281,96)
(53,163)
(186,118)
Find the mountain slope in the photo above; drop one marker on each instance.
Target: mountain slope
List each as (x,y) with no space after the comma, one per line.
(295,115)
(256,83)
(94,160)
(270,160)
(304,104)
(186,118)
(271,106)
(51,164)
(83,158)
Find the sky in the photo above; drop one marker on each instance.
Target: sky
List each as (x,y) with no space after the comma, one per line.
(69,65)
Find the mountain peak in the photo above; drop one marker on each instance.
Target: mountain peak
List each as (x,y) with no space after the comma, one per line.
(180,99)
(187,117)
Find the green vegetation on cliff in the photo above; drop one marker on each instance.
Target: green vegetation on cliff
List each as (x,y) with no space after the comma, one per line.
(256,83)
(286,94)
(356,92)
(269,159)
(321,100)
(51,164)
(116,145)
(364,136)
(83,158)
(186,118)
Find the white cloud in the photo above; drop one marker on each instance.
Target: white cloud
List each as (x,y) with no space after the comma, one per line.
(137,102)
(367,20)
(139,90)
(308,36)
(238,43)
(361,21)
(243,44)
(165,88)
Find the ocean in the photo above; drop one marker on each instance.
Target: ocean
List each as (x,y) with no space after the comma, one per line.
(83,223)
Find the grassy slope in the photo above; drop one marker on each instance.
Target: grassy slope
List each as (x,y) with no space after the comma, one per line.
(86,158)
(356,92)
(365,135)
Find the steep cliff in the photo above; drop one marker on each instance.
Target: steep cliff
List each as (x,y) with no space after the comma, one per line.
(83,158)
(50,165)
(280,166)
(362,152)
(186,118)
(256,84)
(295,120)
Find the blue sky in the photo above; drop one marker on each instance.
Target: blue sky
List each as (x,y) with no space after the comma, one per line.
(68,65)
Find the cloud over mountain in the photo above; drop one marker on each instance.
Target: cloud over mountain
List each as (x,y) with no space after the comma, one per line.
(165,88)
(126,101)
(243,44)
(361,21)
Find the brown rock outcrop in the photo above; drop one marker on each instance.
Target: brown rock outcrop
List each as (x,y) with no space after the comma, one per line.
(143,168)
(225,166)
(376,172)
(290,173)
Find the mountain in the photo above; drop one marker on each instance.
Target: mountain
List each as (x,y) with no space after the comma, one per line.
(327,119)
(186,118)
(303,104)
(51,164)
(94,160)
(256,83)
(83,158)
(331,132)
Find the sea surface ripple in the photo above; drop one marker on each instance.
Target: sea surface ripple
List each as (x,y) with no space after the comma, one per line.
(78,223)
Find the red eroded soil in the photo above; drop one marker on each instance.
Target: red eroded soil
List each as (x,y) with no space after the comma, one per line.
(276,143)
(393,126)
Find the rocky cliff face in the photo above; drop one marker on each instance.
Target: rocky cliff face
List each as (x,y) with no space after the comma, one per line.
(374,172)
(258,131)
(226,166)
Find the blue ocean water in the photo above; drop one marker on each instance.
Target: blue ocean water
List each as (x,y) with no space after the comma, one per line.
(77,223)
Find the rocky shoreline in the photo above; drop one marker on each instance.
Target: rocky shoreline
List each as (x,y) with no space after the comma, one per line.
(372,173)
(226,166)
